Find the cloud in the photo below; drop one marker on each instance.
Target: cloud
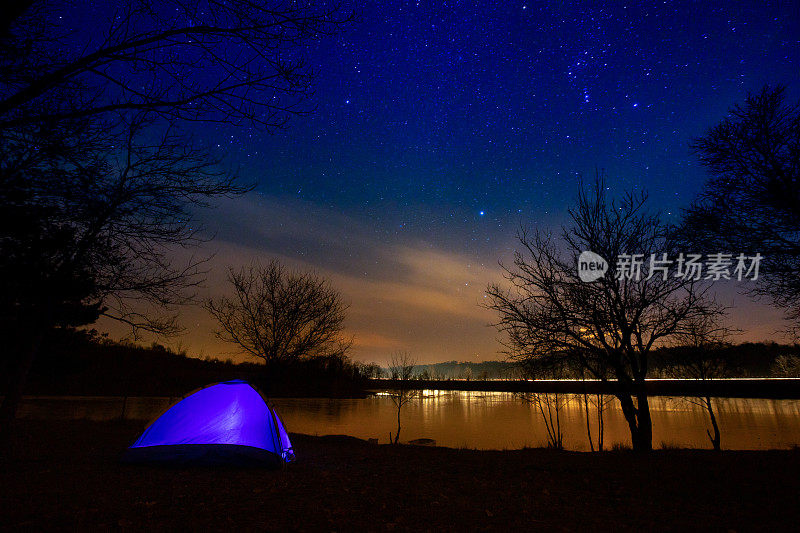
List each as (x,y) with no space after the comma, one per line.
(403,293)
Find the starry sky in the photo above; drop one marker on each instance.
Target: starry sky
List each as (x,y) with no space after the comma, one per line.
(440,127)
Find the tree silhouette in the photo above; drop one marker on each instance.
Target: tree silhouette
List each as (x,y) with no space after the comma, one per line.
(281,316)
(698,353)
(92,218)
(608,326)
(549,405)
(751,203)
(236,62)
(401,370)
(95,161)
(37,291)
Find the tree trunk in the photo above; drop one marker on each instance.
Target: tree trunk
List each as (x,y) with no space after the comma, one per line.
(600,429)
(645,423)
(588,427)
(8,411)
(629,412)
(397,435)
(638,418)
(715,439)
(560,443)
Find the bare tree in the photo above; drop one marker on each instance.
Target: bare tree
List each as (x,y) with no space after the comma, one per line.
(92,217)
(401,370)
(93,156)
(598,403)
(698,353)
(370,370)
(607,326)
(594,403)
(232,61)
(279,315)
(751,203)
(549,405)
(90,124)
(786,366)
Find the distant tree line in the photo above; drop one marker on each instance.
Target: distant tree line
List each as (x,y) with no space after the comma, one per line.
(83,363)
(747,359)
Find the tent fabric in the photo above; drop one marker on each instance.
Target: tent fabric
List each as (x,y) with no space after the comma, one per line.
(225,423)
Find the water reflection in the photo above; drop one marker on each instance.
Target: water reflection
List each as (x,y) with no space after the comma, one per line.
(484,420)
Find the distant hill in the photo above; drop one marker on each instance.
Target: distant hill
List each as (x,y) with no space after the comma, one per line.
(467,370)
(750,359)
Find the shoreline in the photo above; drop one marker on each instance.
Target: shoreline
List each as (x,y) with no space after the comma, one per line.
(66,475)
(760,388)
(496,421)
(754,387)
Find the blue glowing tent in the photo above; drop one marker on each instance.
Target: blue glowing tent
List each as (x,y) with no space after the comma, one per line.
(226,423)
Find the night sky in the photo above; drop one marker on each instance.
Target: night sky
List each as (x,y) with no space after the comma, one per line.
(440,127)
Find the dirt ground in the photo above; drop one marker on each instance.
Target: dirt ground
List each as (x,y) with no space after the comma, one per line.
(65,476)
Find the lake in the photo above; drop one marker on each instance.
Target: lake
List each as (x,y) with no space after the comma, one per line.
(481,420)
